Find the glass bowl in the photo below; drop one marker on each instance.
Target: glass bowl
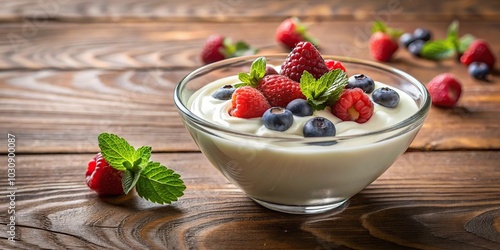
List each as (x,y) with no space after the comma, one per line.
(300,175)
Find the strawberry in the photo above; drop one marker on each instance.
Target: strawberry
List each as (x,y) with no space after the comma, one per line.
(103,178)
(290,32)
(445,90)
(353,105)
(304,57)
(279,90)
(248,102)
(383,42)
(218,47)
(478,51)
(333,64)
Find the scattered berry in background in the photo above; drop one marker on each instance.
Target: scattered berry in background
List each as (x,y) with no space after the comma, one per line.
(479,70)
(291,31)
(383,42)
(218,47)
(478,51)
(445,90)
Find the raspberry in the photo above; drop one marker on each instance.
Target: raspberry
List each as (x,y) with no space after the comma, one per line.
(103,178)
(304,57)
(353,105)
(333,64)
(279,90)
(248,102)
(478,51)
(445,90)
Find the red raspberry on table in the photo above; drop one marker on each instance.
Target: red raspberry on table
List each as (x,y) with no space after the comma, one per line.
(445,90)
(304,57)
(248,102)
(279,90)
(478,51)
(353,105)
(334,64)
(290,32)
(103,178)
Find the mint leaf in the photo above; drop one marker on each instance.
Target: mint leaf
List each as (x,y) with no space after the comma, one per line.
(142,155)
(159,184)
(438,50)
(129,179)
(465,42)
(240,48)
(452,35)
(257,72)
(379,26)
(116,151)
(324,91)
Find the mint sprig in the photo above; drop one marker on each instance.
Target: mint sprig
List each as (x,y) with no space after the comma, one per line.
(257,72)
(153,181)
(235,49)
(451,46)
(379,26)
(324,91)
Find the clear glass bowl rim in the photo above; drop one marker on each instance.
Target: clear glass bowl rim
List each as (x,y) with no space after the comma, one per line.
(417,117)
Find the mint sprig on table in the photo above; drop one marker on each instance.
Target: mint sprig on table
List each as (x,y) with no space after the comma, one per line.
(153,181)
(324,91)
(451,46)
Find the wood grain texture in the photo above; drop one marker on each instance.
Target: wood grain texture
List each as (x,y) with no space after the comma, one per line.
(64,111)
(426,200)
(240,10)
(70,46)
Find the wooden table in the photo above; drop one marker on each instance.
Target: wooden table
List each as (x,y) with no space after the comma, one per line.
(70,70)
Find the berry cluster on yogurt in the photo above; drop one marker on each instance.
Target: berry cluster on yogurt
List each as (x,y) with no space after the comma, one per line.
(305,83)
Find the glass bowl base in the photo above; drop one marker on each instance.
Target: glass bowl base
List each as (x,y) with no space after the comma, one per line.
(294,209)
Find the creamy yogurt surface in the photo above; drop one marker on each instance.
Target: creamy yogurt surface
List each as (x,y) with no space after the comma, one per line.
(217,111)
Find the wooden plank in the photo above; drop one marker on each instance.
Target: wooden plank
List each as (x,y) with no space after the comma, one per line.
(240,10)
(426,200)
(177,45)
(64,111)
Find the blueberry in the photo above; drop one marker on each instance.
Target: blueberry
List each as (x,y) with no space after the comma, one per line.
(406,38)
(422,34)
(277,118)
(224,93)
(300,107)
(319,127)
(361,81)
(386,97)
(416,47)
(479,70)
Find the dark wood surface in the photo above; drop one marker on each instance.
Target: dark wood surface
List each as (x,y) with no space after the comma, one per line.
(70,70)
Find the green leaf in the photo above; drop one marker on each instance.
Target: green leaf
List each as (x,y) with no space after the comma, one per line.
(257,72)
(142,155)
(116,150)
(438,50)
(452,35)
(324,91)
(129,180)
(159,184)
(465,42)
(379,26)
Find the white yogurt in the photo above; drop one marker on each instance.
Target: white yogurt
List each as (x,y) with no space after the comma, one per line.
(291,173)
